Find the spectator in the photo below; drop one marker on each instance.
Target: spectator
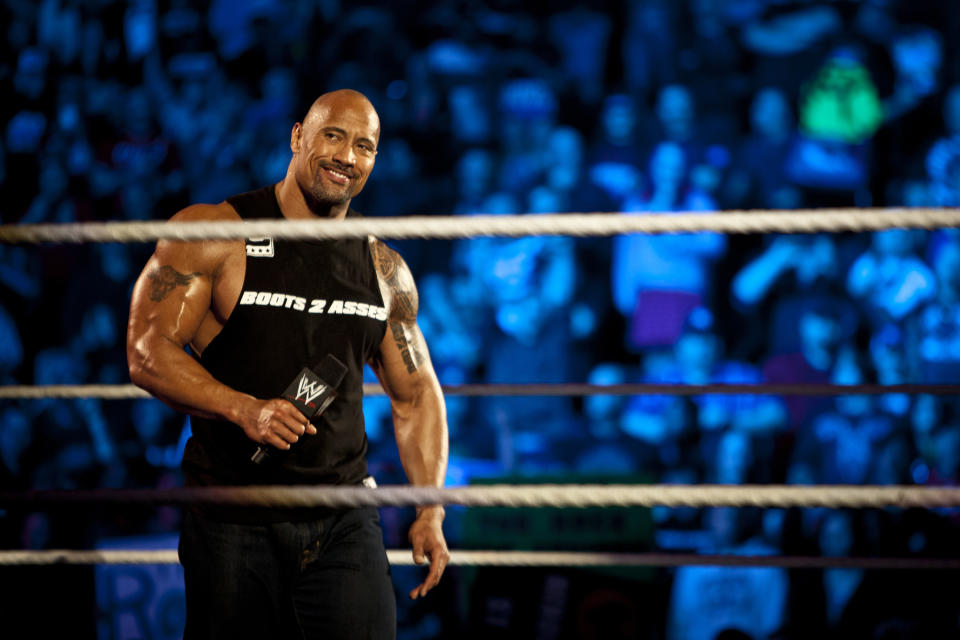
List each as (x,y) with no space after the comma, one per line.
(938,322)
(946,466)
(833,152)
(11,347)
(581,36)
(657,280)
(470,114)
(926,415)
(27,120)
(822,327)
(15,440)
(707,600)
(267,121)
(566,174)
(734,459)
(943,158)
(52,202)
(889,279)
(677,116)
(474,171)
(697,358)
(891,465)
(917,54)
(943,167)
(69,138)
(20,272)
(762,156)
(650,44)
(30,78)
(444,326)
(605,412)
(530,282)
(397,166)
(854,601)
(527,111)
(892,365)
(615,158)
(785,40)
(157,442)
(845,440)
(789,265)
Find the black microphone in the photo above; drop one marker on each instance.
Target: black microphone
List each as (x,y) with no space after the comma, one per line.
(311,392)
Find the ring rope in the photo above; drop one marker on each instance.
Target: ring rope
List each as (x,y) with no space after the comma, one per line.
(571,224)
(547,495)
(399,557)
(128,391)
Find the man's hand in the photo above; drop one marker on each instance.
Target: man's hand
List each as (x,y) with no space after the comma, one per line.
(275,422)
(426,536)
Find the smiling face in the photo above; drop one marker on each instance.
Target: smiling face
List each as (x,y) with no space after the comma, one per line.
(335,148)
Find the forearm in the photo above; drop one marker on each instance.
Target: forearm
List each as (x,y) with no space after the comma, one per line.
(165,370)
(420,425)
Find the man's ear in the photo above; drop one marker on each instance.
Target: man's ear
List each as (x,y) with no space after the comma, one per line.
(295,136)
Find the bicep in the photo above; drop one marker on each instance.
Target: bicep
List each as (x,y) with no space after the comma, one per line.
(172,294)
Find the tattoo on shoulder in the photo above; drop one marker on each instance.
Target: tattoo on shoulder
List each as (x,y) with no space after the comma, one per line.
(165,279)
(396,275)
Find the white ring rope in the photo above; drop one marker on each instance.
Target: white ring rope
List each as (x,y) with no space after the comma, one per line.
(399,557)
(572,495)
(129,391)
(570,224)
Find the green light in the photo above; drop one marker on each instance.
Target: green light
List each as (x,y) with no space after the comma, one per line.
(841,104)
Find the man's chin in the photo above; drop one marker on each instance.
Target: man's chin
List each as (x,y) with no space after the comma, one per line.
(324,197)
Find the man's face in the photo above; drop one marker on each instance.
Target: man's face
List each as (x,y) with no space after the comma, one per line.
(336,147)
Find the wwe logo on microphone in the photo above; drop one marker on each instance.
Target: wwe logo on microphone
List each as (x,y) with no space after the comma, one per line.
(309,390)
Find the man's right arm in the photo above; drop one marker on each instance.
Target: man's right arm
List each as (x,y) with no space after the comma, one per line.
(171,298)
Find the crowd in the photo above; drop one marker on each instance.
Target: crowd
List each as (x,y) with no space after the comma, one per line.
(132,110)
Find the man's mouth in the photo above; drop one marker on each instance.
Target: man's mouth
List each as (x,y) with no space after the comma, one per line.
(337,176)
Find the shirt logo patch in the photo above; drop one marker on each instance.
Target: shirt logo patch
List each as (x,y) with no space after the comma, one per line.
(260,247)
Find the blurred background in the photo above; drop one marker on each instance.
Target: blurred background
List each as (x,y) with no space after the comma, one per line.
(130,110)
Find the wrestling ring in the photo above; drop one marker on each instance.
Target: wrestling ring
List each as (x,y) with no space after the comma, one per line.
(578,496)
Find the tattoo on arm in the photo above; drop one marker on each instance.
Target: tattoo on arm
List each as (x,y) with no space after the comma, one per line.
(165,279)
(407,351)
(403,304)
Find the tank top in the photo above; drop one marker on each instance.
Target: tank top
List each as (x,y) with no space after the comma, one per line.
(301,300)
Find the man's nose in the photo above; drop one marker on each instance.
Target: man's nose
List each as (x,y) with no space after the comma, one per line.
(344,155)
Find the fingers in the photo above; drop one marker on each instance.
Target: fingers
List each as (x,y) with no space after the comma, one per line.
(281,424)
(276,441)
(437,565)
(432,580)
(289,429)
(439,558)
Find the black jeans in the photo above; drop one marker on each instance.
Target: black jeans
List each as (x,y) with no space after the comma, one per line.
(326,578)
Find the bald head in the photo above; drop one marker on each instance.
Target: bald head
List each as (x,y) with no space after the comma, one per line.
(343,100)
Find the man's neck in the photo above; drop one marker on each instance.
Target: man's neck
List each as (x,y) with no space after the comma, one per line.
(295,206)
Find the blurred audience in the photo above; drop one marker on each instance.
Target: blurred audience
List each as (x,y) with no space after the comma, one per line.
(130,111)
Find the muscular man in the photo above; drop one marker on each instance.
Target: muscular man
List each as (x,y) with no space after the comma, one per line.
(252,314)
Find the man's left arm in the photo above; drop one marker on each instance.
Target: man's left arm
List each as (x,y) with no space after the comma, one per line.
(419,415)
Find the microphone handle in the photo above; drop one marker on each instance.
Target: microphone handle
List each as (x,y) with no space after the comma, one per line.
(259,455)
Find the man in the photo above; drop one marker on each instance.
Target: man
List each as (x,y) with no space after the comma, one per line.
(254,313)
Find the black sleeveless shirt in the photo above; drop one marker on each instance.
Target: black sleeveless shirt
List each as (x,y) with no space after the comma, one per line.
(301,299)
